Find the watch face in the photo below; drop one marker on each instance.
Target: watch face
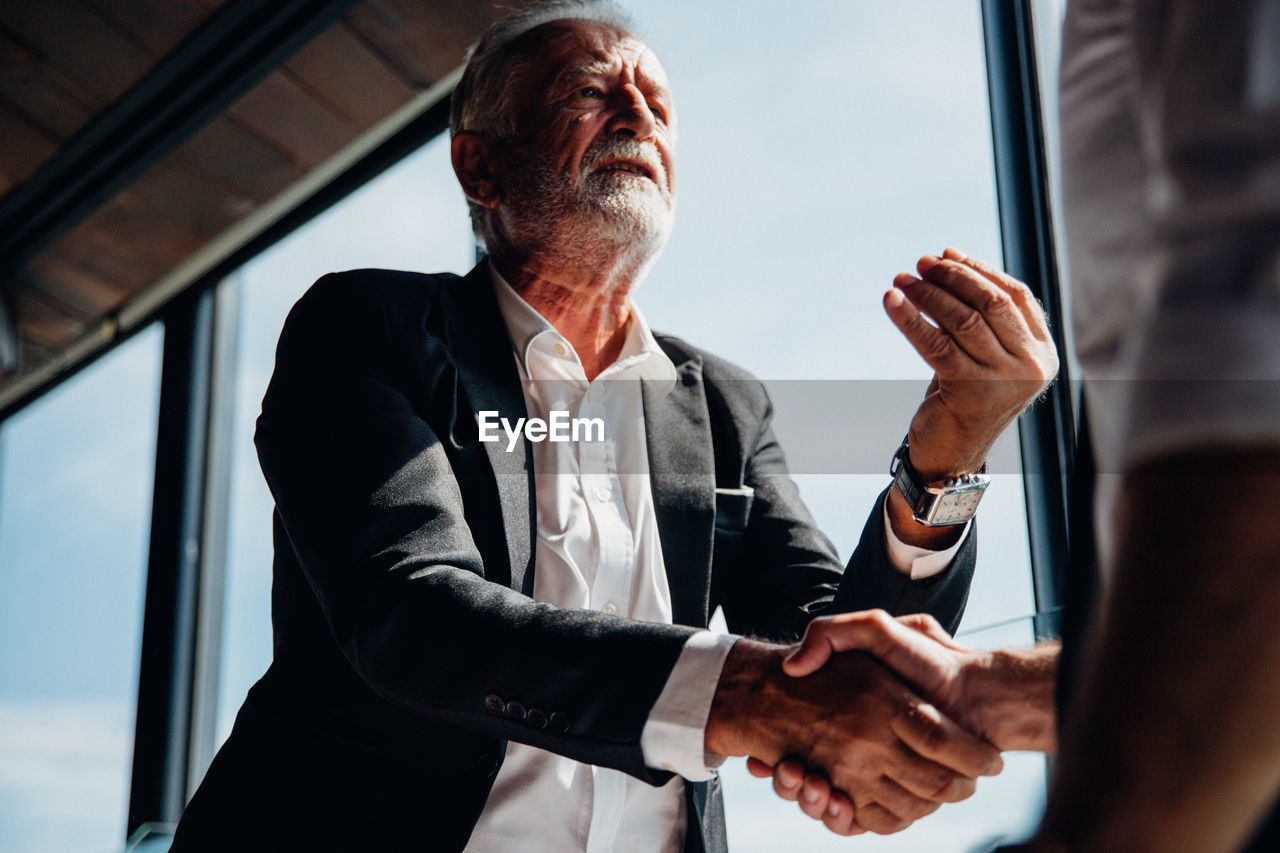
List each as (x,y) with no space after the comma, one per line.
(957,507)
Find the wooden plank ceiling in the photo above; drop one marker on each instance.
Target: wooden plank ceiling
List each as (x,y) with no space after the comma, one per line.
(63,62)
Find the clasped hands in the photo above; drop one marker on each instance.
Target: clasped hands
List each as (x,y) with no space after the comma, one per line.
(871,722)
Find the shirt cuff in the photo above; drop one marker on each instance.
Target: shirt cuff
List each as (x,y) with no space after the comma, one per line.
(913,561)
(674,735)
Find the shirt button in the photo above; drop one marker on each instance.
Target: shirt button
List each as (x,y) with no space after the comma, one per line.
(610,608)
(561,349)
(603,494)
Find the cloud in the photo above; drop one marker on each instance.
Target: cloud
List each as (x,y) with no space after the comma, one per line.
(64,775)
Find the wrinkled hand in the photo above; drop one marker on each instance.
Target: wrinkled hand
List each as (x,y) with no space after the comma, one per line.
(915,647)
(896,755)
(827,636)
(991,352)
(1003,697)
(812,790)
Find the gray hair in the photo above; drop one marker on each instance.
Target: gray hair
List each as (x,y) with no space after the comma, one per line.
(482,101)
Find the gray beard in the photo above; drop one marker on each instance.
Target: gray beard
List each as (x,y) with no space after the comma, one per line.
(606,219)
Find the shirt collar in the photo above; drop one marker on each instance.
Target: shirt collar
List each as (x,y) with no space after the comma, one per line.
(641,356)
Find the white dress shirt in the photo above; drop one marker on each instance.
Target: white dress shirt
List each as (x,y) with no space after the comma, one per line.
(1171,172)
(598,547)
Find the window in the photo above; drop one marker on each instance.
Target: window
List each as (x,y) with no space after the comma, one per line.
(75,502)
(821,152)
(806,181)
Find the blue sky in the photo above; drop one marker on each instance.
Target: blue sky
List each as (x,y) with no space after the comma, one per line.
(820,153)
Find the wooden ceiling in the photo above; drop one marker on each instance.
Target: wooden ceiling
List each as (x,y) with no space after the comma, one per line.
(70,68)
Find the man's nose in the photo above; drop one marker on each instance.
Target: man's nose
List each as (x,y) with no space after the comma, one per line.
(632,114)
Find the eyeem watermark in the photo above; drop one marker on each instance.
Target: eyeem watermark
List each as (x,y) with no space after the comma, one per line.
(559,427)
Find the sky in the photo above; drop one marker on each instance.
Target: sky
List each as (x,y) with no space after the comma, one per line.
(820,153)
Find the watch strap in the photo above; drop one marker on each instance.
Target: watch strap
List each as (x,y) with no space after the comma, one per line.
(923,497)
(906,477)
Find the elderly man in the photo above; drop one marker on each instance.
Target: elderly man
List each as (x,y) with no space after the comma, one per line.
(499,644)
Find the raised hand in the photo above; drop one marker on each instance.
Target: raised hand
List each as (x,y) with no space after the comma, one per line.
(990,349)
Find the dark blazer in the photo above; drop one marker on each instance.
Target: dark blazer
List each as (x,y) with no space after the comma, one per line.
(406,649)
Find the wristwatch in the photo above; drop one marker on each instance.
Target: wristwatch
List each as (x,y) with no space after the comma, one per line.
(952,501)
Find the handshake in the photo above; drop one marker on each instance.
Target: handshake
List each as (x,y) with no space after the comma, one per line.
(873,722)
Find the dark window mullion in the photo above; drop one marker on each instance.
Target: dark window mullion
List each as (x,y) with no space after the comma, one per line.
(162,743)
(1047,431)
(215,517)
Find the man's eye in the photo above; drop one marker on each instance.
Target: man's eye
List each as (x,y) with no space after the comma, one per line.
(658,112)
(590,92)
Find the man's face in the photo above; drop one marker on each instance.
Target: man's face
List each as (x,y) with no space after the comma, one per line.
(592,154)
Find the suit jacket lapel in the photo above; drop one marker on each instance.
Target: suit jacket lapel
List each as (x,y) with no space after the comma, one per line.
(681,459)
(682,478)
(492,383)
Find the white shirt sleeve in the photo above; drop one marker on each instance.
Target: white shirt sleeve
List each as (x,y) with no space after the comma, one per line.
(673,736)
(913,561)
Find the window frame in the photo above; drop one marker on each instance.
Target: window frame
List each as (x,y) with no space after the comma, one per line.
(1048,431)
(186,567)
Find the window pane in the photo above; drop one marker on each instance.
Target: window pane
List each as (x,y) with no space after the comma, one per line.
(76,473)
(815,162)
(821,152)
(1046,17)
(412,217)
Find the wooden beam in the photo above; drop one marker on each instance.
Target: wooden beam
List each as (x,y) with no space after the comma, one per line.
(233,50)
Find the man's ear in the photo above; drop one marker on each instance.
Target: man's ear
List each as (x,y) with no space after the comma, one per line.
(471,155)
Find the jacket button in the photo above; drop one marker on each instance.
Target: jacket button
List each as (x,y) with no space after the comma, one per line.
(494,703)
(537,718)
(515,709)
(558,722)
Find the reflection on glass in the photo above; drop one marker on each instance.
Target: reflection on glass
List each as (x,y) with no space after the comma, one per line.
(75,501)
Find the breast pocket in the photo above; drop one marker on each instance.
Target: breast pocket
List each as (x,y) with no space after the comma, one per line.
(733,507)
(733,511)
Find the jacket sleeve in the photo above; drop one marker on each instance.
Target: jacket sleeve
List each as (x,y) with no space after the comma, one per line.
(871,581)
(374,515)
(785,571)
